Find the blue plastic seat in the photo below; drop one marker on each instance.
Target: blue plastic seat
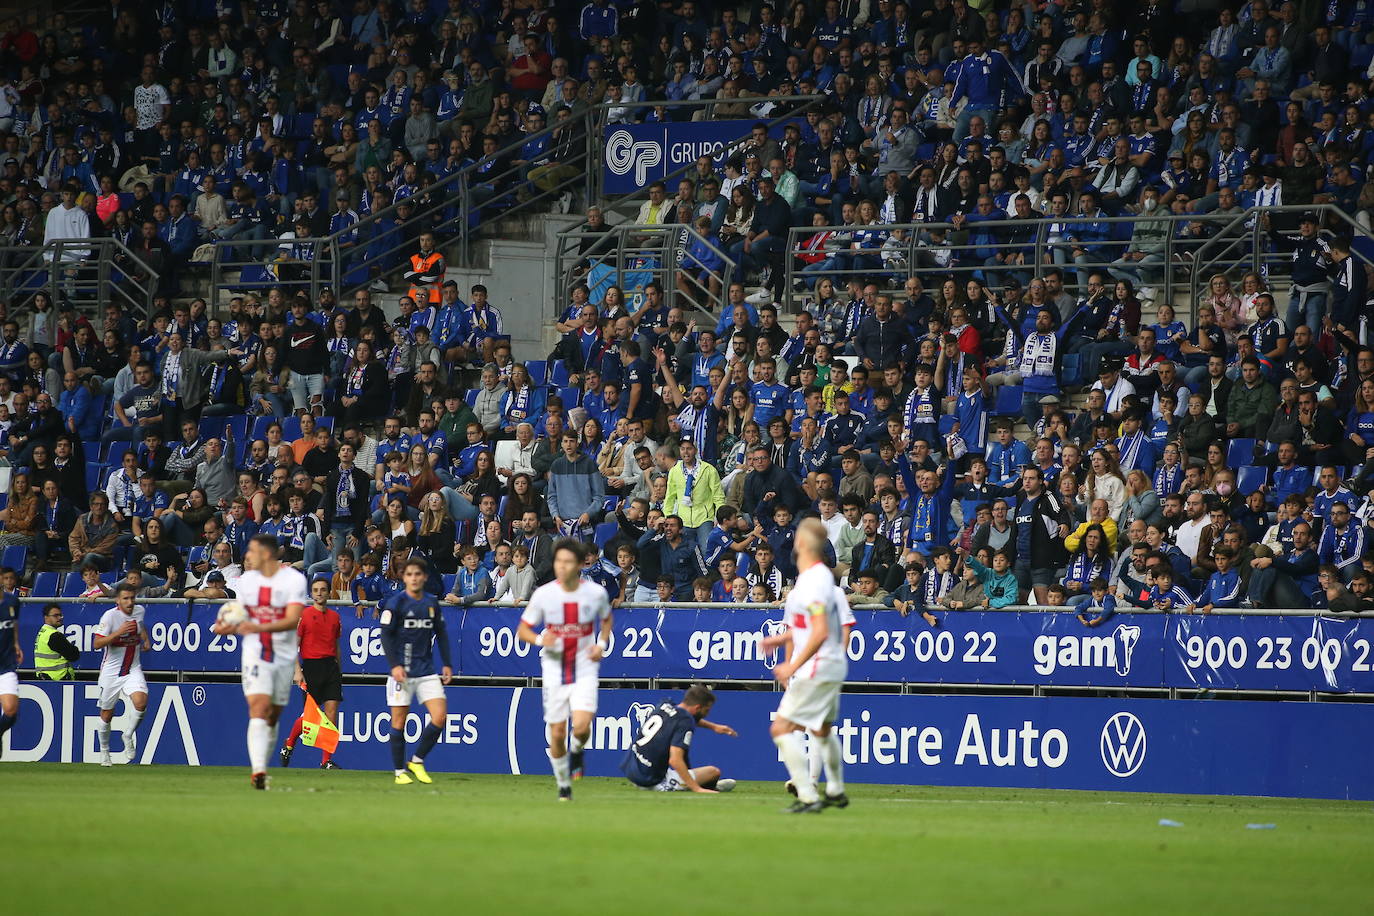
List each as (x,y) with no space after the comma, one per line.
(538,370)
(558,374)
(1008,401)
(1240,453)
(1250,478)
(604,532)
(46,584)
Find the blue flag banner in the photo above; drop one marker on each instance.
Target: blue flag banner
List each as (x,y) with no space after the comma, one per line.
(1298,653)
(1176,746)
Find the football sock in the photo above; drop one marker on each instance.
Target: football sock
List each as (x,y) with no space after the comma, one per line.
(832,752)
(275,728)
(6,723)
(562,771)
(794,758)
(398,749)
(326,757)
(428,738)
(576,744)
(813,758)
(295,732)
(138,720)
(104,733)
(259,744)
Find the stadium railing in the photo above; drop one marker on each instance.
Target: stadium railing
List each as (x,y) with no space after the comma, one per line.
(458,207)
(1238,243)
(643,251)
(257,265)
(91,272)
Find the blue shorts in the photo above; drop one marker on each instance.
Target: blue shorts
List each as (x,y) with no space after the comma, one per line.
(637,773)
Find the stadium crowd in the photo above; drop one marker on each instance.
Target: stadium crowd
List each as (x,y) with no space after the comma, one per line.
(1209,462)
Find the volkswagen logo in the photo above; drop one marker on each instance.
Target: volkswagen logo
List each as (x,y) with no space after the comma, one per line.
(1123,744)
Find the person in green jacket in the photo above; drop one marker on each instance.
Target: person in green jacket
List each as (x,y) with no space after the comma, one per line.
(694,493)
(999,583)
(1252,402)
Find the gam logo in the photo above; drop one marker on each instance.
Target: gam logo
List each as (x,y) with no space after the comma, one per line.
(624,153)
(638,713)
(1123,744)
(772,628)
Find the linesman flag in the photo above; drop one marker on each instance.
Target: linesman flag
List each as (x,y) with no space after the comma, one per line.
(316,729)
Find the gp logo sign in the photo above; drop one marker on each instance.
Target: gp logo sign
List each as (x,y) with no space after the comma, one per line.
(625,154)
(1123,744)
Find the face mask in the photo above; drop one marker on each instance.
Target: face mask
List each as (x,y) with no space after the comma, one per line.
(1149,204)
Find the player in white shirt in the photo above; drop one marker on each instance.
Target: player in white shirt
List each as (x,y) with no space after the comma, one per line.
(274,594)
(122,636)
(576,618)
(814,671)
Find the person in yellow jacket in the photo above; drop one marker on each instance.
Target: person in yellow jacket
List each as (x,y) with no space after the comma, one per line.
(53,652)
(426,274)
(1099,513)
(694,492)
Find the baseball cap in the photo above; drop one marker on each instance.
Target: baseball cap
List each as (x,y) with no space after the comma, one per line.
(214,575)
(1309,217)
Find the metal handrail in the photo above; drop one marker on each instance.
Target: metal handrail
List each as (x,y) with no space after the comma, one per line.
(915,240)
(1219,249)
(93,257)
(664,242)
(455,189)
(323,266)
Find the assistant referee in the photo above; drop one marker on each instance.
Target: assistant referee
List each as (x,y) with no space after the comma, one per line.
(317,668)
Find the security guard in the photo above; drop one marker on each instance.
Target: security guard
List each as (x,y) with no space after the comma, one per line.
(426,274)
(53,653)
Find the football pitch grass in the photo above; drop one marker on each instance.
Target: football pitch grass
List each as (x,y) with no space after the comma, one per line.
(200,840)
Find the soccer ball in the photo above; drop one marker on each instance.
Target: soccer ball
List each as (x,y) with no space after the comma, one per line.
(232,613)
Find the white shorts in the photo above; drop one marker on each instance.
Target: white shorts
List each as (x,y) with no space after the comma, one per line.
(424,689)
(112,687)
(671,783)
(562,700)
(811,703)
(272,679)
(9,684)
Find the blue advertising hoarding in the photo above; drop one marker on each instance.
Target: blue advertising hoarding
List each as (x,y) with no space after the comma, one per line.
(636,155)
(1299,653)
(1177,746)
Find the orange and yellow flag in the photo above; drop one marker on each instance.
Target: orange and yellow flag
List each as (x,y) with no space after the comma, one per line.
(316,729)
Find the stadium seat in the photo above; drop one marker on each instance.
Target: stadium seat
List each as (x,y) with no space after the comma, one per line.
(1071,369)
(1008,401)
(213,427)
(449,580)
(46,584)
(571,397)
(538,370)
(604,532)
(471,397)
(947,422)
(611,503)
(260,425)
(15,556)
(558,374)
(1250,478)
(95,476)
(1240,453)
(90,451)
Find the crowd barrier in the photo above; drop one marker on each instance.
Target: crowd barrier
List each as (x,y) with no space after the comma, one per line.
(1180,746)
(1303,653)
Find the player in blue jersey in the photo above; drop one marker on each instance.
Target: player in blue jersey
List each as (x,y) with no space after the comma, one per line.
(412,624)
(658,759)
(11,657)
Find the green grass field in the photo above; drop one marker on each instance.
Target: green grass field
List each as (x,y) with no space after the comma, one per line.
(348,842)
